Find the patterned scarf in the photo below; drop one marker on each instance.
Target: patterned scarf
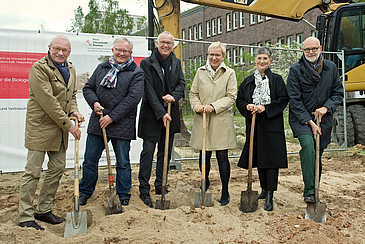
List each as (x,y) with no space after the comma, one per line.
(315,70)
(211,70)
(261,94)
(110,79)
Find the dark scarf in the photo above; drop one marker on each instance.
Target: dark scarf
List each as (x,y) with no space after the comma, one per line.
(316,70)
(64,70)
(165,63)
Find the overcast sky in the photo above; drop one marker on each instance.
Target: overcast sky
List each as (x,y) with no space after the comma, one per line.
(52,15)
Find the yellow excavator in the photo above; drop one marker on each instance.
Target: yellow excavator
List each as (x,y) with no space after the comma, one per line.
(341,26)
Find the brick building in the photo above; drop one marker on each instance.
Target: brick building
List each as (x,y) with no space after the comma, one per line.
(210,24)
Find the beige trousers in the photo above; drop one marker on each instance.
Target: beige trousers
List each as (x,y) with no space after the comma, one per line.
(30,178)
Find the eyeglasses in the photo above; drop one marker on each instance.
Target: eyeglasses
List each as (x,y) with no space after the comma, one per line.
(313,49)
(167,43)
(214,55)
(58,49)
(121,51)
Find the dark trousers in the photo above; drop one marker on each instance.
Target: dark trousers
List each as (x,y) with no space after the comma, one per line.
(308,162)
(145,164)
(269,179)
(223,164)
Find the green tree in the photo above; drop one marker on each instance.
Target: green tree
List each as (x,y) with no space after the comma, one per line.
(124,23)
(78,21)
(91,19)
(109,20)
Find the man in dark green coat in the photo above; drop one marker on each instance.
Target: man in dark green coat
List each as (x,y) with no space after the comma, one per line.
(314,86)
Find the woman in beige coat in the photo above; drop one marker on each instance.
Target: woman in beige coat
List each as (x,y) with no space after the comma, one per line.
(214,92)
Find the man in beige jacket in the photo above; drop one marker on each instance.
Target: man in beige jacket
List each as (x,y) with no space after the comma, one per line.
(52,99)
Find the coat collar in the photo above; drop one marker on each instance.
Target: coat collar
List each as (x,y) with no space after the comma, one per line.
(156,65)
(269,74)
(131,67)
(56,72)
(306,72)
(219,72)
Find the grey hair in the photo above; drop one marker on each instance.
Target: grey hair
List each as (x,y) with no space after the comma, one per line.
(218,45)
(165,33)
(263,50)
(123,39)
(62,37)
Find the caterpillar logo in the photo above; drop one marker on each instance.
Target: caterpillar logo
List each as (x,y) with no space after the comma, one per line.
(244,2)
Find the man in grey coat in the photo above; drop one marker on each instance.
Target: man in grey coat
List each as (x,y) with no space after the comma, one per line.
(52,100)
(314,86)
(164,83)
(116,87)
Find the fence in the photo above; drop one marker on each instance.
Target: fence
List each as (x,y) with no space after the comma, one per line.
(240,58)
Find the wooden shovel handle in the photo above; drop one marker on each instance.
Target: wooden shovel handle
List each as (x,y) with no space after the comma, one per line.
(250,155)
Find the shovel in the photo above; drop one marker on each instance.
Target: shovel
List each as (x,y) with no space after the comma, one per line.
(76,221)
(249,198)
(317,210)
(114,205)
(163,203)
(202,198)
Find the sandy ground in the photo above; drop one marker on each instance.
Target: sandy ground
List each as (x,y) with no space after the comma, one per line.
(342,189)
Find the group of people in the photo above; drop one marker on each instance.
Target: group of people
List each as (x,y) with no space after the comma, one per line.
(116,87)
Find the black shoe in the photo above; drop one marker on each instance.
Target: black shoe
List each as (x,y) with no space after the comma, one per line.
(224,200)
(146,199)
(268,201)
(262,194)
(31,224)
(309,199)
(159,191)
(124,202)
(82,200)
(49,218)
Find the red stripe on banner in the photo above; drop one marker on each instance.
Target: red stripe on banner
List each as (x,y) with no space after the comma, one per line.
(14,72)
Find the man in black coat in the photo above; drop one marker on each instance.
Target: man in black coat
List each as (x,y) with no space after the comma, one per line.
(116,86)
(314,86)
(163,83)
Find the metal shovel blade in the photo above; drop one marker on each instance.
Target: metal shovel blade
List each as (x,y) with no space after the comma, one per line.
(76,222)
(203,198)
(162,204)
(114,205)
(249,201)
(317,213)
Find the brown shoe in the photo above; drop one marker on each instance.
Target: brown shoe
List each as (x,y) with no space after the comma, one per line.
(31,224)
(49,218)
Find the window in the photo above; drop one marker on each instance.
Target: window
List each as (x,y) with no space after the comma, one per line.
(183,36)
(242,19)
(235,56)
(242,56)
(191,33)
(300,38)
(229,55)
(201,60)
(289,39)
(268,42)
(219,25)
(281,40)
(260,44)
(229,22)
(314,33)
(260,18)
(235,20)
(195,32)
(252,51)
(208,28)
(252,19)
(214,27)
(200,30)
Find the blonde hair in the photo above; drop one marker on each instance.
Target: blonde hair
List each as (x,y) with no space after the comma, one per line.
(218,45)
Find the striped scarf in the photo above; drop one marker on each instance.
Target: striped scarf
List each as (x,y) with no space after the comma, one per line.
(110,79)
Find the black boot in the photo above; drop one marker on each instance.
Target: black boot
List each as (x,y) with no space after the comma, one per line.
(262,194)
(268,201)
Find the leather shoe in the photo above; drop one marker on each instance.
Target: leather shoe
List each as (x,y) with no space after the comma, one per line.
(224,200)
(159,191)
(82,200)
(49,218)
(31,224)
(124,202)
(309,199)
(268,201)
(262,194)
(146,199)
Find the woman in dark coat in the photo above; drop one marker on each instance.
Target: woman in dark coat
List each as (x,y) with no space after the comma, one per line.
(264,93)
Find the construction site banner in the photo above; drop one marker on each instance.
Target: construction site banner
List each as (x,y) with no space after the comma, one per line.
(19,50)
